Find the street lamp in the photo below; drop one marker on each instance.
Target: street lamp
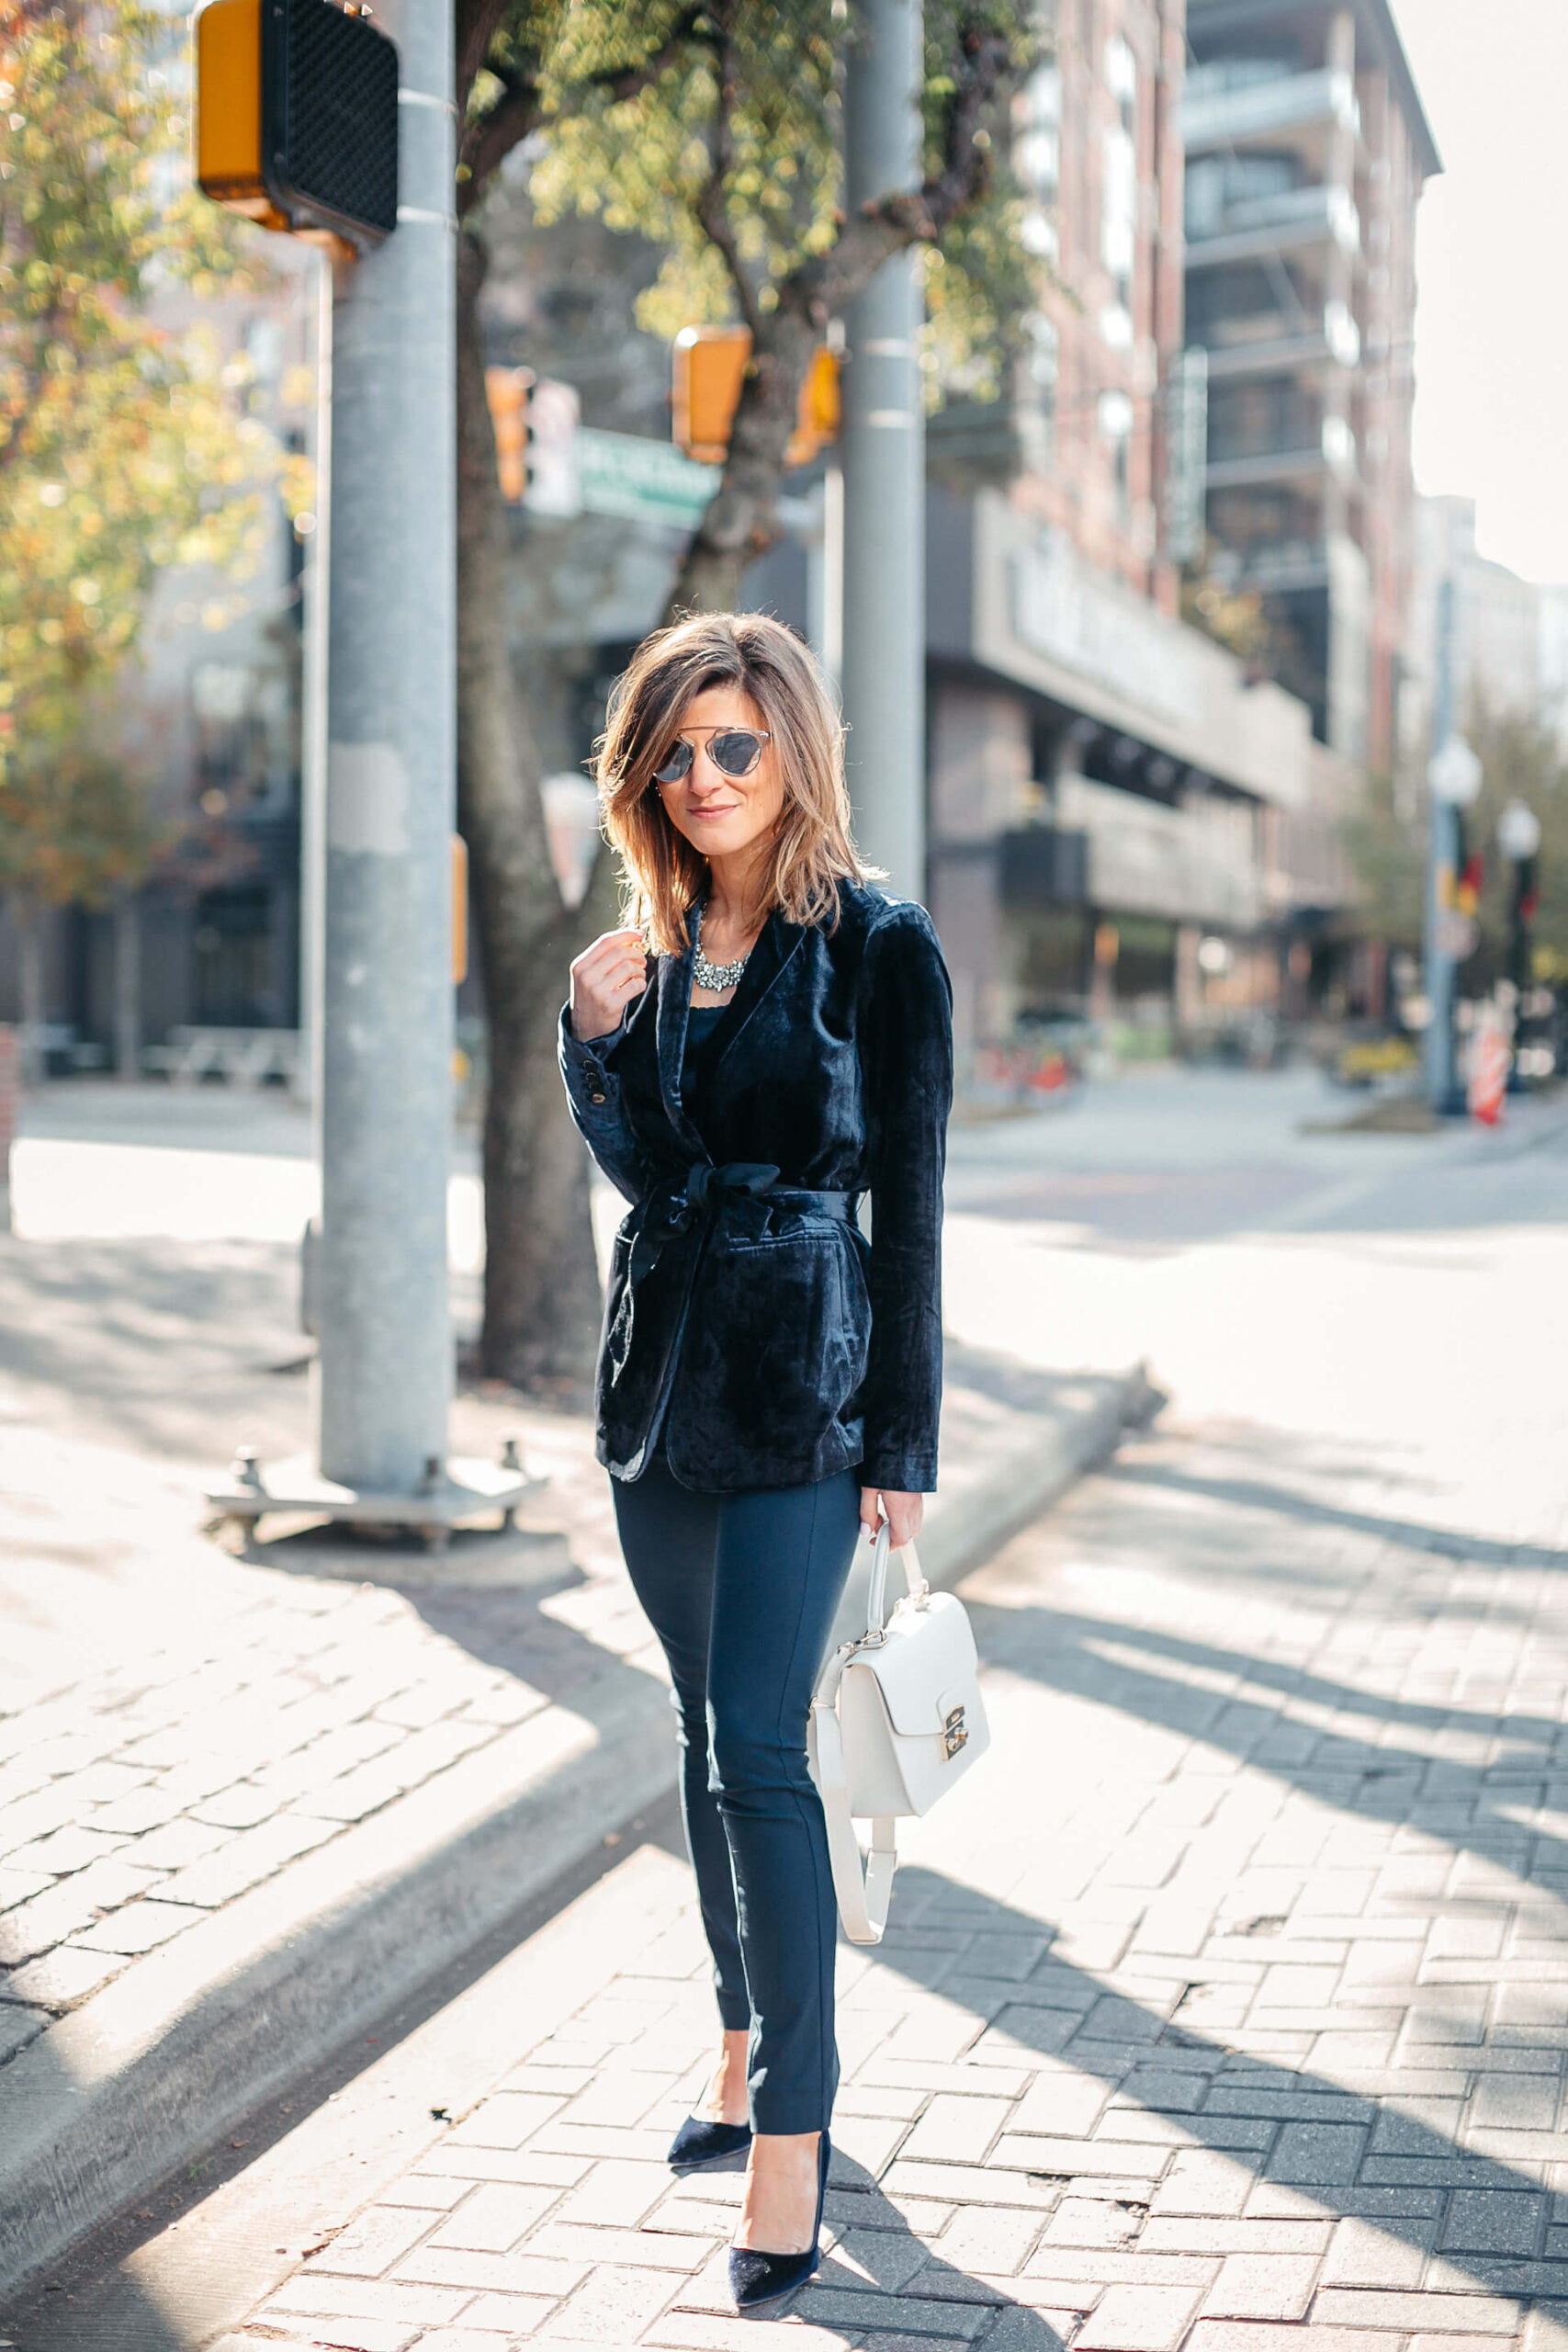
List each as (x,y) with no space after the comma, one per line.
(1455,775)
(1519,832)
(1519,838)
(1453,780)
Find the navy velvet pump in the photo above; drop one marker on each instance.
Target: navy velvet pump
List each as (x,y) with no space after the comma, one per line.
(756,2277)
(699,2142)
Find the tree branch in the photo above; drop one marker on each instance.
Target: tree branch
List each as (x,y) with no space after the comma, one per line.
(711,207)
(479,21)
(823,285)
(965,162)
(489,138)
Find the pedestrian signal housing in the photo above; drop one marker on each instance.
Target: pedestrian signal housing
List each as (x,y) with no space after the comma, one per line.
(710,366)
(296,116)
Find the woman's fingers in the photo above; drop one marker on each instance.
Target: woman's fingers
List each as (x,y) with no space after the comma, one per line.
(605,978)
(617,956)
(904,1513)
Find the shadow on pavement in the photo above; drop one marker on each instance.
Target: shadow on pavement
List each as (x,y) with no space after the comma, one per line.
(1453,1544)
(1371,1777)
(1285,2127)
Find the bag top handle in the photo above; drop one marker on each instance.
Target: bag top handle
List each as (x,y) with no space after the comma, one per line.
(875,1623)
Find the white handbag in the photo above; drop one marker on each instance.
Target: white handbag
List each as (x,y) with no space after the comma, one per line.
(896,1718)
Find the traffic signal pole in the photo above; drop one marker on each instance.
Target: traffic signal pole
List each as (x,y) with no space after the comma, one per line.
(383,1315)
(881,449)
(378,1283)
(1444,1092)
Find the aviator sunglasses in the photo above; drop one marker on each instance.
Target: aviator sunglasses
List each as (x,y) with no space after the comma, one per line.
(734,751)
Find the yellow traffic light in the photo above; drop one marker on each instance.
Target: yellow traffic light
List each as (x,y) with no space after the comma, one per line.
(229,109)
(459,910)
(506,394)
(710,366)
(817,420)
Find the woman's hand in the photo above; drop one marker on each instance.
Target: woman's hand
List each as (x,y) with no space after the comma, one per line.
(902,1512)
(604,979)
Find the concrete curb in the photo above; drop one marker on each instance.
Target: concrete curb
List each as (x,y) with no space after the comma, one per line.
(172,2055)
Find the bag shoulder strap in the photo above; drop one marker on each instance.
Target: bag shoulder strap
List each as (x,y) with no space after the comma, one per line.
(863,1886)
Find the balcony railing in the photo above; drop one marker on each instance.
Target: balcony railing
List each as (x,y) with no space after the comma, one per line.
(1287,563)
(1288,216)
(1261,110)
(1277,210)
(1268,345)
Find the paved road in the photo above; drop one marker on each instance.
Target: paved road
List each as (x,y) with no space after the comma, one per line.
(1225,2006)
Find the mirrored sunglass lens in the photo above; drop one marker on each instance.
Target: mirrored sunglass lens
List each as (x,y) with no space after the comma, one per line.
(736,754)
(676,763)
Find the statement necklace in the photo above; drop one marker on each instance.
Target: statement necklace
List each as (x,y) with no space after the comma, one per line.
(718,976)
(708,975)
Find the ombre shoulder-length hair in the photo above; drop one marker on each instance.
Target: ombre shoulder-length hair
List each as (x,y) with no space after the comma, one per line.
(812,851)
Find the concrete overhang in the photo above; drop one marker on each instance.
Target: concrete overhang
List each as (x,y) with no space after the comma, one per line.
(1042,617)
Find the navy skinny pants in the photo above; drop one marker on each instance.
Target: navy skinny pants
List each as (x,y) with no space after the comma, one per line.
(742,1591)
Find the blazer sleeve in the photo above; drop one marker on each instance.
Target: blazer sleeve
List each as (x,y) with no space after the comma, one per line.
(906,1046)
(593,1092)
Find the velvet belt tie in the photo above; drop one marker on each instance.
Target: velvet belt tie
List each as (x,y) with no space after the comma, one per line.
(683,1201)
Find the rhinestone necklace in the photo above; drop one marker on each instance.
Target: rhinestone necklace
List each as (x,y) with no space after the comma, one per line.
(715,976)
(718,976)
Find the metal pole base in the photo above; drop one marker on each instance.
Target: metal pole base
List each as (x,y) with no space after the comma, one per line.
(452,1494)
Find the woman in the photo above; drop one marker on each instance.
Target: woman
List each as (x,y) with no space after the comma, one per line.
(769,1382)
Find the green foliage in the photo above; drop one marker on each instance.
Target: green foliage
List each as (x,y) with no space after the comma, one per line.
(645,161)
(1522,758)
(73,825)
(1386,843)
(122,443)
(651,158)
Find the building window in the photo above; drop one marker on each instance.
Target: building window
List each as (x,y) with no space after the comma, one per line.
(236,976)
(1276,417)
(1114,414)
(1118,173)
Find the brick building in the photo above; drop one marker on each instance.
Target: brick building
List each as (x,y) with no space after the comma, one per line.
(1306,148)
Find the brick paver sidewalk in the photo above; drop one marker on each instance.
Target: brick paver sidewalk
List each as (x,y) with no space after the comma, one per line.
(258,1710)
(239,1714)
(1224,2008)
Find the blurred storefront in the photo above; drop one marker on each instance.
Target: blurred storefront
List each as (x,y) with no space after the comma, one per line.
(1125,829)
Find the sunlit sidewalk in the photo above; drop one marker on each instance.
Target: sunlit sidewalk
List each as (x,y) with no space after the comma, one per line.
(1224,2008)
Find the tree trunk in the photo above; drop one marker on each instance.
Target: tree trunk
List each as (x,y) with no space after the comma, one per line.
(30,942)
(127,988)
(742,521)
(542,1298)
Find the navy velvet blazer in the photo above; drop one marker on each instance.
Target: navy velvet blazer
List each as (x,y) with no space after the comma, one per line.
(749,1320)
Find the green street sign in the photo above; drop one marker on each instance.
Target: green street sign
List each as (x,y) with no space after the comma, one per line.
(640,480)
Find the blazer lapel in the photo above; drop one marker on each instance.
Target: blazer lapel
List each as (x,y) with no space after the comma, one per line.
(784,938)
(674,1004)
